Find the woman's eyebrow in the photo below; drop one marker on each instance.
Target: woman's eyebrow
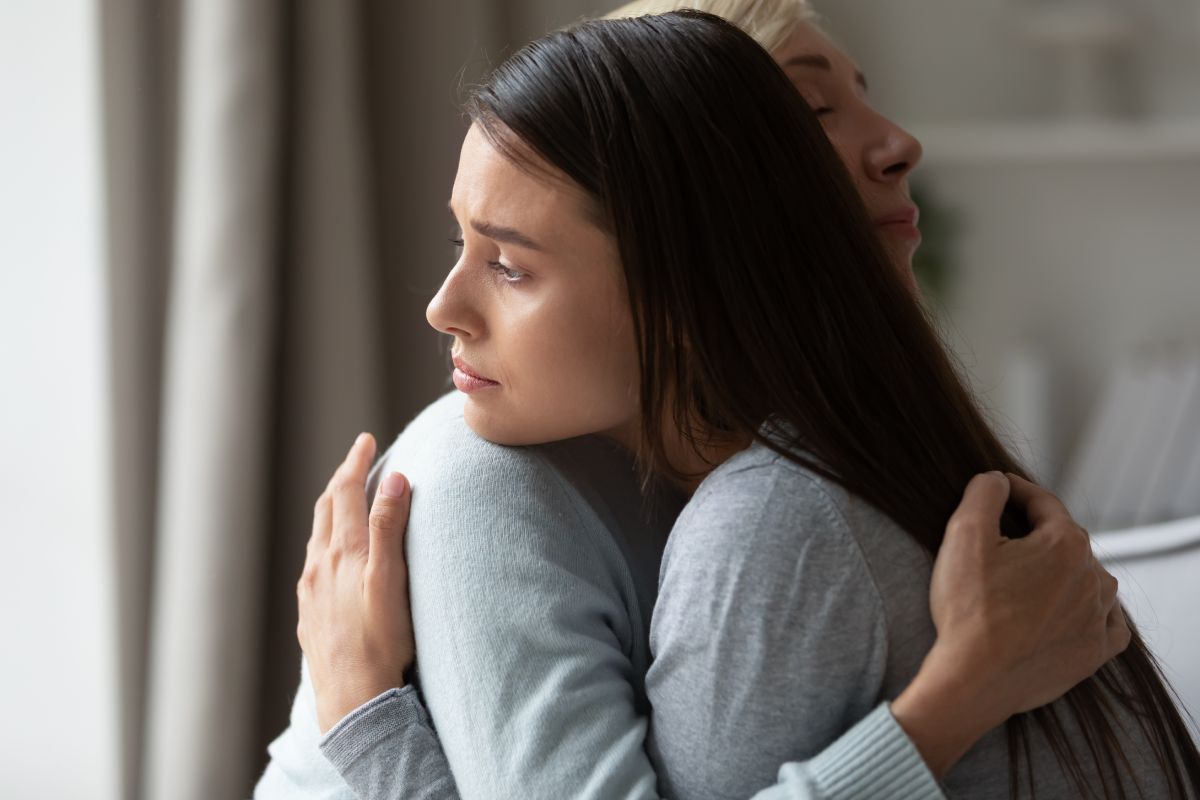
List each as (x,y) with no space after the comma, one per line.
(818,61)
(500,233)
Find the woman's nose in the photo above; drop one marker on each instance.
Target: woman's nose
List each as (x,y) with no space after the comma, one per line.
(893,153)
(452,310)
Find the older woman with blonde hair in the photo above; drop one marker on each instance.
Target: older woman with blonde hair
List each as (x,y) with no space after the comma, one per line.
(638,305)
(877,152)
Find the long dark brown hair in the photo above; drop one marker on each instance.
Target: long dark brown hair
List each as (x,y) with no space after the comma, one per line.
(760,292)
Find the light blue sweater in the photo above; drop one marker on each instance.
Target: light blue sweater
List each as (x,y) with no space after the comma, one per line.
(533,575)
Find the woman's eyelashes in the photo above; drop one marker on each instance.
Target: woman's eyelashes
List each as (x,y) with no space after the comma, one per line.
(506,273)
(818,105)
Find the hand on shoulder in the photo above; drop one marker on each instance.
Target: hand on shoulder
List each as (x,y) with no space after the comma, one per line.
(1020,621)
(354,626)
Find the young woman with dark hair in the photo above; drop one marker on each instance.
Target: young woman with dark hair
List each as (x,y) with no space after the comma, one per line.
(712,295)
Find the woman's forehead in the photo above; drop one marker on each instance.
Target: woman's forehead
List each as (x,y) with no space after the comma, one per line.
(519,191)
(807,45)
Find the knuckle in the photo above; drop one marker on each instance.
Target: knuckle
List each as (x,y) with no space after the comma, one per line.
(1060,527)
(1118,640)
(323,502)
(964,523)
(376,574)
(1124,638)
(387,571)
(1069,542)
(383,516)
(1110,582)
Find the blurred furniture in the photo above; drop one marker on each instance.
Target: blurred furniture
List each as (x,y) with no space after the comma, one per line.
(1158,567)
(1138,461)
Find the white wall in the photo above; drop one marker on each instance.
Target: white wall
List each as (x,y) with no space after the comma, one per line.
(954,60)
(57,682)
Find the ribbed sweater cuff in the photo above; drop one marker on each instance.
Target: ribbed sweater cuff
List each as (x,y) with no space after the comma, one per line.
(375,720)
(874,759)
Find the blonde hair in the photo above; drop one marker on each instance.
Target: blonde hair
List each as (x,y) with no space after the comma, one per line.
(768,22)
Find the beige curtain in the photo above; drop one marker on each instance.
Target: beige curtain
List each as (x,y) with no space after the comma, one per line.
(276,181)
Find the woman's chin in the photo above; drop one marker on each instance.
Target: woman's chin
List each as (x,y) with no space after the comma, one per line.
(500,428)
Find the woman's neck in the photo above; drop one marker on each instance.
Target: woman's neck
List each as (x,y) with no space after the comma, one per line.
(691,462)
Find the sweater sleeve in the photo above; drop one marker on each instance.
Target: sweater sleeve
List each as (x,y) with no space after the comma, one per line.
(387,750)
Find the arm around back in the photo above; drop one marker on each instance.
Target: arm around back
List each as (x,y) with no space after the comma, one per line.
(388,749)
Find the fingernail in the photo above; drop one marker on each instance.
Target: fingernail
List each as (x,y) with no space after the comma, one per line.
(997,473)
(393,485)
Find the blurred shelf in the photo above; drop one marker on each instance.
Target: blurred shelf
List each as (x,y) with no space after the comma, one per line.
(1053,142)
(1162,538)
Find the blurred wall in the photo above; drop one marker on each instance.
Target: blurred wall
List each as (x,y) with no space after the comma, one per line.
(416,130)
(58,664)
(937,60)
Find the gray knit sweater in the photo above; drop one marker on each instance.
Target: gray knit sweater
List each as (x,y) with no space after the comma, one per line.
(533,575)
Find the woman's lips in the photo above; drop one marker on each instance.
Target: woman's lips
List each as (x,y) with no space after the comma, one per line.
(467,380)
(902,224)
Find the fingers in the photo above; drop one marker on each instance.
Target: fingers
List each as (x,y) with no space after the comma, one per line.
(389,520)
(1039,504)
(1117,631)
(358,459)
(356,463)
(1116,627)
(1108,588)
(1068,545)
(322,522)
(982,504)
(349,491)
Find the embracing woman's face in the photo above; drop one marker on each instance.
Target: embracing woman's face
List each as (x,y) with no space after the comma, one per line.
(537,306)
(878,153)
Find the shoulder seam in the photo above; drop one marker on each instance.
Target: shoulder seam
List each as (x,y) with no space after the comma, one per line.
(818,483)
